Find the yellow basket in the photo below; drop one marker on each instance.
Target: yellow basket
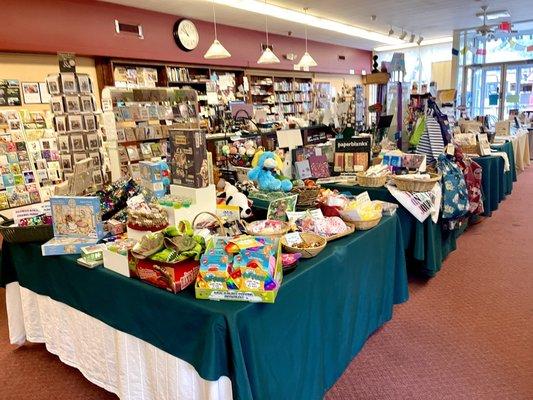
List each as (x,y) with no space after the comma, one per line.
(416,185)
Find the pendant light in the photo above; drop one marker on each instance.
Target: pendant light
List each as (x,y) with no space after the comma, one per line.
(306,61)
(268,56)
(216,50)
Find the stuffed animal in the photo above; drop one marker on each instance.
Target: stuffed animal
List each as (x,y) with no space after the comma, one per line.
(240,200)
(225,189)
(266,172)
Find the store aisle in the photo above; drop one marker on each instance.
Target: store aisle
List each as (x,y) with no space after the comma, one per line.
(468,333)
(464,335)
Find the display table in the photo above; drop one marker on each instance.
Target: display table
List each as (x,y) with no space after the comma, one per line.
(508,176)
(295,348)
(496,183)
(426,244)
(521,147)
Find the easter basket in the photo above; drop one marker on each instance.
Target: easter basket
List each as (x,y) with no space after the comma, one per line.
(366,225)
(198,223)
(350,228)
(24,234)
(371,181)
(415,185)
(267,228)
(306,252)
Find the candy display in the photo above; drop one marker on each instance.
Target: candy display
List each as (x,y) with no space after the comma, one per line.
(306,243)
(246,268)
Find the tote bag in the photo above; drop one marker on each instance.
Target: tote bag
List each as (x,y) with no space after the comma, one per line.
(454,191)
(431,143)
(420,127)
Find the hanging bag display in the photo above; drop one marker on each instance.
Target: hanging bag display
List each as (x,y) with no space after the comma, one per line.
(454,191)
(442,120)
(431,143)
(472,172)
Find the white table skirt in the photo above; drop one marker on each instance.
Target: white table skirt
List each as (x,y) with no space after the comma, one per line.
(521,150)
(116,361)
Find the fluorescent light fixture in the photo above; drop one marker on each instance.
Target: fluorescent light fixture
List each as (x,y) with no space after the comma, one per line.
(427,42)
(216,50)
(287,14)
(268,57)
(491,15)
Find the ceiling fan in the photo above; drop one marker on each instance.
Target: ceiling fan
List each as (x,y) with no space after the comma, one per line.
(485,30)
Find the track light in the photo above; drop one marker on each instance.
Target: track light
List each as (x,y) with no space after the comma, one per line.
(420,38)
(402,35)
(391,31)
(412,39)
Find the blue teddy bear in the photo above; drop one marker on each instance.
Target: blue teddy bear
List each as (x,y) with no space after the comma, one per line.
(263,173)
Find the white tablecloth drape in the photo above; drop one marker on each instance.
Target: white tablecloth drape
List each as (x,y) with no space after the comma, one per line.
(521,150)
(114,360)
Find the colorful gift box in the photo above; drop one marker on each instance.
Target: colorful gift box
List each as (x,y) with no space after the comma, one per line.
(65,245)
(77,217)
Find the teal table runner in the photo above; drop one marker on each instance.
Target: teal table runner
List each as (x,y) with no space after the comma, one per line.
(426,244)
(295,348)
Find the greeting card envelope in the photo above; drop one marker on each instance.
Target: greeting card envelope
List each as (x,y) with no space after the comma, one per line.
(76,216)
(319,166)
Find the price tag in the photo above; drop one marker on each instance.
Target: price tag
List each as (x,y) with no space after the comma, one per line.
(450,149)
(362,198)
(293,238)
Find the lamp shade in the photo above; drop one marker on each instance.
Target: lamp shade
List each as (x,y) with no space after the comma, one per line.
(307,61)
(217,51)
(268,57)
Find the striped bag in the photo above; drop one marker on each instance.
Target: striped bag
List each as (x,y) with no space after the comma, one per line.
(431,143)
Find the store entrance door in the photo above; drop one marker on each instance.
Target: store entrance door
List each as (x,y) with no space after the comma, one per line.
(518,94)
(485,90)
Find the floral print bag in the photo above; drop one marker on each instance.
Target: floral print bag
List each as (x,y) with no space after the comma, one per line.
(454,191)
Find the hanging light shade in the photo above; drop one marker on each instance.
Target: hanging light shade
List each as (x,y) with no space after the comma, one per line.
(267,56)
(306,61)
(216,50)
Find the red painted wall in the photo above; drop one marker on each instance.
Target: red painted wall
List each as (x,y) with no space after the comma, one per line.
(87,27)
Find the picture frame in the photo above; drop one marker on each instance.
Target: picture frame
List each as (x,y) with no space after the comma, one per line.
(84,83)
(97,177)
(92,141)
(31,93)
(95,155)
(52,83)
(75,123)
(57,105)
(87,103)
(60,123)
(89,122)
(64,143)
(72,104)
(66,162)
(77,143)
(79,157)
(68,83)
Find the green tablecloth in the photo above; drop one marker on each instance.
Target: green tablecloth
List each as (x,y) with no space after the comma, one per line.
(426,244)
(496,183)
(295,348)
(509,176)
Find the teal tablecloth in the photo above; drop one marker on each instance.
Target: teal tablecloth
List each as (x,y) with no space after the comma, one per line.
(426,244)
(295,348)
(496,184)
(509,176)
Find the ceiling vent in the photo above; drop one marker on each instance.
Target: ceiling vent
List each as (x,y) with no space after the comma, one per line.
(129,29)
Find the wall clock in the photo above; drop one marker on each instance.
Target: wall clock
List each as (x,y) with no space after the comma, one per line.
(186,35)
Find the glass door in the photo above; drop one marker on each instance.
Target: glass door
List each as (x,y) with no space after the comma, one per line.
(485,90)
(518,94)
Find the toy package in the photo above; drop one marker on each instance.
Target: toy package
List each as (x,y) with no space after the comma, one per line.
(188,158)
(154,177)
(245,268)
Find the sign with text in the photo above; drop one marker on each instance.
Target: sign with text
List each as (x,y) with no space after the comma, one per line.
(353,145)
(314,135)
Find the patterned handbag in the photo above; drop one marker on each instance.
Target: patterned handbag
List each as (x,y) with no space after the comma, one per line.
(454,191)
(472,172)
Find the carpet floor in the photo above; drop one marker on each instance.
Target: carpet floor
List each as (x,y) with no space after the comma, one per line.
(466,334)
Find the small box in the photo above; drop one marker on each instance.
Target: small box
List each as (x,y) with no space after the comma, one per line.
(116,262)
(188,158)
(152,177)
(77,217)
(65,245)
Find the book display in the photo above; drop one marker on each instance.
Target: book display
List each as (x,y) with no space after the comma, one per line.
(137,123)
(75,119)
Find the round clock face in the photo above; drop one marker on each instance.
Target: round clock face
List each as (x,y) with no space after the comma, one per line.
(186,35)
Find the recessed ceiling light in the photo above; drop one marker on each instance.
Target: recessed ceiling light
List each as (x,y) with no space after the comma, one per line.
(287,14)
(494,14)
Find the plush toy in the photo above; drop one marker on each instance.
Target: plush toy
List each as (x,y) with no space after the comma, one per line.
(266,171)
(240,200)
(225,189)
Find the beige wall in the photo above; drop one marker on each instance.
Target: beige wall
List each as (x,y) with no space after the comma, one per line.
(338,80)
(441,72)
(35,68)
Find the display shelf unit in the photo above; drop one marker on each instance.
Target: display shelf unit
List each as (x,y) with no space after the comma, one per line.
(137,124)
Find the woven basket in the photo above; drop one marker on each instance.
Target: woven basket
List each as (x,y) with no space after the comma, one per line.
(25,234)
(415,185)
(470,148)
(306,196)
(371,181)
(306,252)
(219,221)
(285,227)
(365,225)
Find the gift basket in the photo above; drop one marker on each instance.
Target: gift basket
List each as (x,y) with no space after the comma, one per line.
(375,176)
(308,244)
(416,182)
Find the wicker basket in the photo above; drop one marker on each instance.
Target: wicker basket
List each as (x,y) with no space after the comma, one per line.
(25,234)
(416,185)
(306,196)
(306,252)
(365,225)
(371,181)
(218,220)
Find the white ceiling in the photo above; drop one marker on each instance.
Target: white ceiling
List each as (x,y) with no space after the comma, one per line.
(429,18)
